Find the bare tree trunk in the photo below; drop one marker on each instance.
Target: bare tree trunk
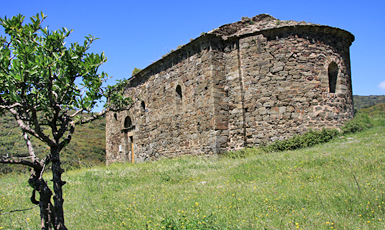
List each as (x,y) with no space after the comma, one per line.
(38,184)
(51,216)
(57,171)
(45,206)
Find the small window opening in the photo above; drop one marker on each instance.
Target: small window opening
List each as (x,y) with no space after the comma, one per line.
(127,122)
(115,116)
(179,94)
(332,72)
(143,107)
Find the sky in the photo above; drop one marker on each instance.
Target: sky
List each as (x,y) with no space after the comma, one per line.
(133,34)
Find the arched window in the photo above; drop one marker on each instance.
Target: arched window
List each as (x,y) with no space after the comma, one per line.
(332,72)
(142,107)
(178,94)
(127,122)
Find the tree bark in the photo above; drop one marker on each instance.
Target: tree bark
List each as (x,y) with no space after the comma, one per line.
(51,216)
(39,184)
(57,171)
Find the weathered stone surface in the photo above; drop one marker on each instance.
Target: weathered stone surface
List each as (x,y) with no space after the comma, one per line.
(240,85)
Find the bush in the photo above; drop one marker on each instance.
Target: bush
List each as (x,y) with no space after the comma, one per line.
(308,139)
(359,123)
(135,71)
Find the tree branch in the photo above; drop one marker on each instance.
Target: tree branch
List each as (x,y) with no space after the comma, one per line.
(45,162)
(7,160)
(64,125)
(76,113)
(8,107)
(33,197)
(29,146)
(37,132)
(112,109)
(68,138)
(4,70)
(92,118)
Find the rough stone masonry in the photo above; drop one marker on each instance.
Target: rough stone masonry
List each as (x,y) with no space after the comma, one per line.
(253,81)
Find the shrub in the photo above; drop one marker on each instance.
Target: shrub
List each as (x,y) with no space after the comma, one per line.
(308,139)
(359,123)
(135,71)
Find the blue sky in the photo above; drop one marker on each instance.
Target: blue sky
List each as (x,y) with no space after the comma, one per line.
(137,33)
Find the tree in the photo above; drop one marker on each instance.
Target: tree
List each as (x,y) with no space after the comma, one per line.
(46,85)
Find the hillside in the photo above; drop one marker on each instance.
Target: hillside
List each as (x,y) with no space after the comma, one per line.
(87,147)
(367,101)
(375,111)
(337,185)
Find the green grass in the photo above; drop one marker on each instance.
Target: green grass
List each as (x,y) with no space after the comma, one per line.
(335,185)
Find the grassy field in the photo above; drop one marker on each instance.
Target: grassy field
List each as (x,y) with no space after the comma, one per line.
(337,185)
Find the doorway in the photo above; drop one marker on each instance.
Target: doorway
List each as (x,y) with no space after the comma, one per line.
(128,139)
(131,143)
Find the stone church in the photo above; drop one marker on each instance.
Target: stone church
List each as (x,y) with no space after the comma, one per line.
(253,81)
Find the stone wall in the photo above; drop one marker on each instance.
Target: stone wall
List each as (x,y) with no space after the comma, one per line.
(229,89)
(286,85)
(171,122)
